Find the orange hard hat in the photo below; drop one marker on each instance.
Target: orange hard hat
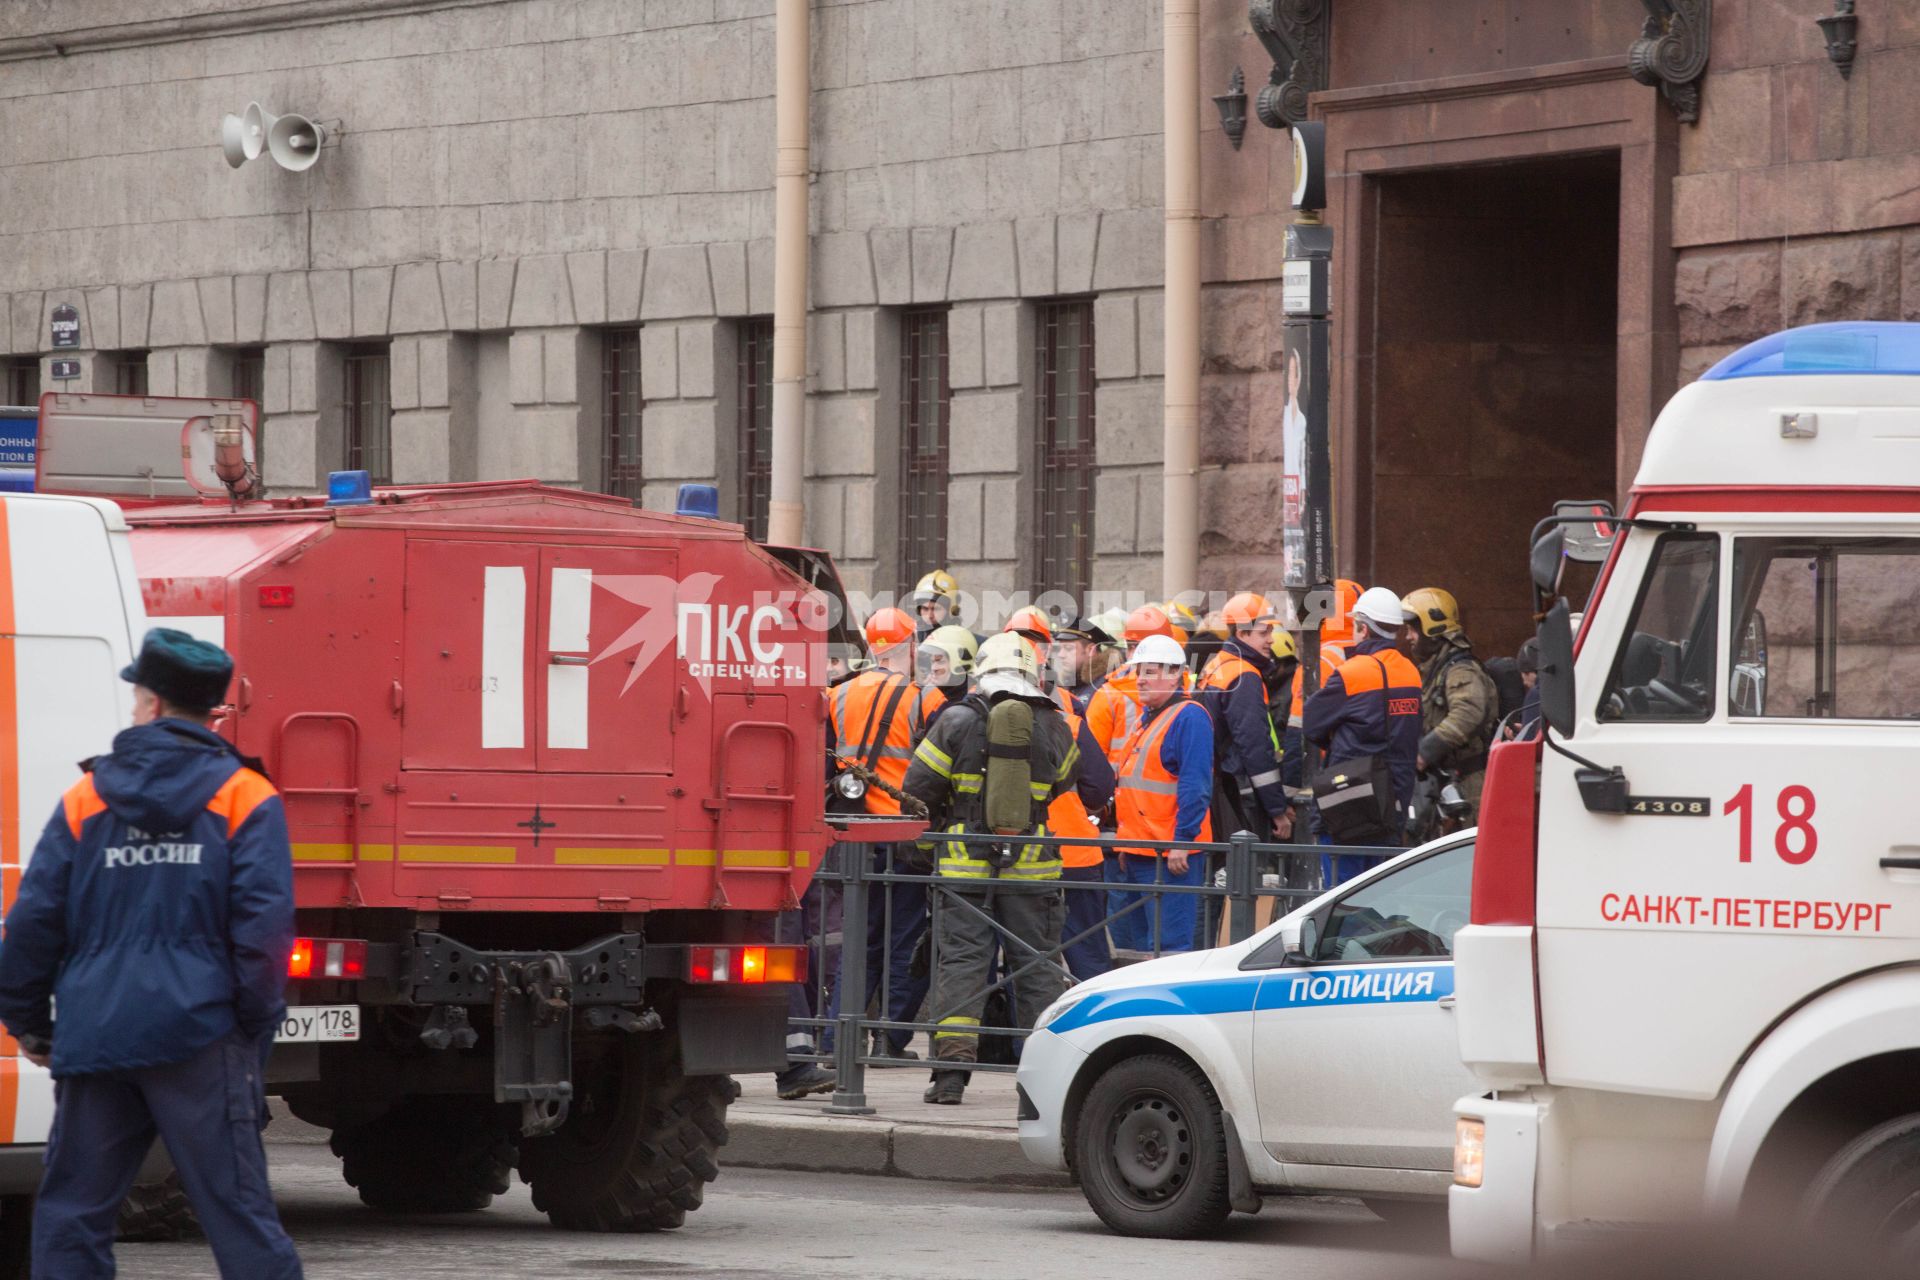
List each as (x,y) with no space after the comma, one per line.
(1249,609)
(887,628)
(1147,620)
(1031,621)
(1338,629)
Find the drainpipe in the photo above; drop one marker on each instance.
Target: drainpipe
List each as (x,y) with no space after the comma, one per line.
(786,511)
(1180,516)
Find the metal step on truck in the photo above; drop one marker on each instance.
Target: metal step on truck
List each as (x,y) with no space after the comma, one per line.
(1691,984)
(551,765)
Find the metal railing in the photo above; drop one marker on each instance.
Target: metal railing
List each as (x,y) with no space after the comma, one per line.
(864,885)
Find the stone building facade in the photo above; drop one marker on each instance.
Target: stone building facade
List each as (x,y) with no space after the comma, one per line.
(540,222)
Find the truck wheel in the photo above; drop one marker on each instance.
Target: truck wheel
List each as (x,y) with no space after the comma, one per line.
(638,1148)
(156,1211)
(428,1155)
(1151,1150)
(1870,1192)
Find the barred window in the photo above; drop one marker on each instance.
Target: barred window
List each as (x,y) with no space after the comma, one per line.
(23,381)
(368,412)
(620,413)
(756,425)
(250,383)
(1063,471)
(124,372)
(925,414)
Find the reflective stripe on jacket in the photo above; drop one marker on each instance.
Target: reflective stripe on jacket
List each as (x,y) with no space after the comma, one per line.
(1146,791)
(948,774)
(851,704)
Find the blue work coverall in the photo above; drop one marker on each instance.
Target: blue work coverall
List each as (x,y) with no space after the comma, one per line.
(156,916)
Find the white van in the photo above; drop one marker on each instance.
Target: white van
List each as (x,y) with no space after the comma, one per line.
(70,615)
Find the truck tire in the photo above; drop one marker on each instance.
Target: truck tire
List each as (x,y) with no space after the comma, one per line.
(1151,1151)
(429,1155)
(640,1144)
(1869,1193)
(156,1211)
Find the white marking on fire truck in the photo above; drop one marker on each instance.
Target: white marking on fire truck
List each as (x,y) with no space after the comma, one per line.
(714,640)
(569,619)
(503,647)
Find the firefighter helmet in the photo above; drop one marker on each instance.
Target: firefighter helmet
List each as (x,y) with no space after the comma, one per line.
(886,628)
(1434,611)
(939,586)
(1031,622)
(957,643)
(1008,651)
(1147,620)
(1248,609)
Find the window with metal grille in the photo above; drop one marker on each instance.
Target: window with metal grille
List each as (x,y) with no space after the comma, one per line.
(23,381)
(124,372)
(1063,471)
(925,413)
(250,383)
(620,413)
(756,425)
(368,412)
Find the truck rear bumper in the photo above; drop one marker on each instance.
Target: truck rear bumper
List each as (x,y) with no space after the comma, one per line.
(1494,1222)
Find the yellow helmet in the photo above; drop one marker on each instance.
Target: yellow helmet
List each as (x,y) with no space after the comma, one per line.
(1434,611)
(1283,646)
(1008,651)
(957,643)
(938,585)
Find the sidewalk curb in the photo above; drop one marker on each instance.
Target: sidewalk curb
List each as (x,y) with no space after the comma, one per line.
(819,1143)
(887,1148)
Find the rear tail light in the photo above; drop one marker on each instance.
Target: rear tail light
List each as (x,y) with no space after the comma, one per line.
(327,958)
(746,964)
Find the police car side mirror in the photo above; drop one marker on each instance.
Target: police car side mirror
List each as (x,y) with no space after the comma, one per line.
(1300,941)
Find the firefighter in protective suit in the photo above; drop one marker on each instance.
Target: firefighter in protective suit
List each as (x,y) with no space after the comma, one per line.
(991,764)
(1459,704)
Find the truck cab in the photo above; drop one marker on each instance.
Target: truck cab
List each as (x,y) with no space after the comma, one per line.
(1691,984)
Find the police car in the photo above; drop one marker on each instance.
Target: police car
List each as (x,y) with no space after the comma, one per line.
(1316,1057)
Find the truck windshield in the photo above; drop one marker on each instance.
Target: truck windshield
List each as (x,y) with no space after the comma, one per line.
(1665,667)
(1817,622)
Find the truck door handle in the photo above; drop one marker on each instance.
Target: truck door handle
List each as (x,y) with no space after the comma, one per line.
(1901,863)
(1446,1002)
(568,659)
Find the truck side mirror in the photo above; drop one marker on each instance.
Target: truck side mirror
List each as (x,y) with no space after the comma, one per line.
(1547,562)
(1556,669)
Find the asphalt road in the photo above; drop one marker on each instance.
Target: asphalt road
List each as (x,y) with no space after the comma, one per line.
(764,1225)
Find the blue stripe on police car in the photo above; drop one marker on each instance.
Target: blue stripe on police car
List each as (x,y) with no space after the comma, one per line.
(1244,993)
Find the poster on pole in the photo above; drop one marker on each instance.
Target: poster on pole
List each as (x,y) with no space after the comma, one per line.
(1306,549)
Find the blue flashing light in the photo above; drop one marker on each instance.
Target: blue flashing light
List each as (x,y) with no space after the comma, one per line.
(1859,346)
(702,500)
(349,489)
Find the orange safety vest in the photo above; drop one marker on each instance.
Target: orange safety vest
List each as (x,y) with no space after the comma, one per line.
(1224,668)
(1147,795)
(1067,816)
(853,702)
(1332,654)
(1113,712)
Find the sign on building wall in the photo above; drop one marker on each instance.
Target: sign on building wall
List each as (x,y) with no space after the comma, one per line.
(66,327)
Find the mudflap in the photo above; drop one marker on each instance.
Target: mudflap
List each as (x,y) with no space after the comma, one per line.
(739,1033)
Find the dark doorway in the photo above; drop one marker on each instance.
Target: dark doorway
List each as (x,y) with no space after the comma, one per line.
(1494,302)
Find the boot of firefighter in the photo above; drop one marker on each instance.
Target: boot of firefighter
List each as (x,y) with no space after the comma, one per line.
(947,1088)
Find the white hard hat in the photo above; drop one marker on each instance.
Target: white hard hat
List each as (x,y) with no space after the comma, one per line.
(1162,650)
(1381,608)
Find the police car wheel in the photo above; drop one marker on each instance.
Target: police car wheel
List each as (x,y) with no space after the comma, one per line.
(1870,1192)
(1151,1150)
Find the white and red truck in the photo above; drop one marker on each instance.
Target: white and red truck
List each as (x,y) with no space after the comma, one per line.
(1691,983)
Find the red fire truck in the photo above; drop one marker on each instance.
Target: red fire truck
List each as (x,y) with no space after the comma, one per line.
(551,764)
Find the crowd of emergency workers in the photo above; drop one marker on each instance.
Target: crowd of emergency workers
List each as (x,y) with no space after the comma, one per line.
(1160,724)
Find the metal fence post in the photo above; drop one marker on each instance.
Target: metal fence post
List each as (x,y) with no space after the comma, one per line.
(850,1086)
(1240,884)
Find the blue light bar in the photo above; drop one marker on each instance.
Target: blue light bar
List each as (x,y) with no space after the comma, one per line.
(349,489)
(1857,346)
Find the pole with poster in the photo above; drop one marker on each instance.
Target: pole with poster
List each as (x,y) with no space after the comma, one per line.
(1307,483)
